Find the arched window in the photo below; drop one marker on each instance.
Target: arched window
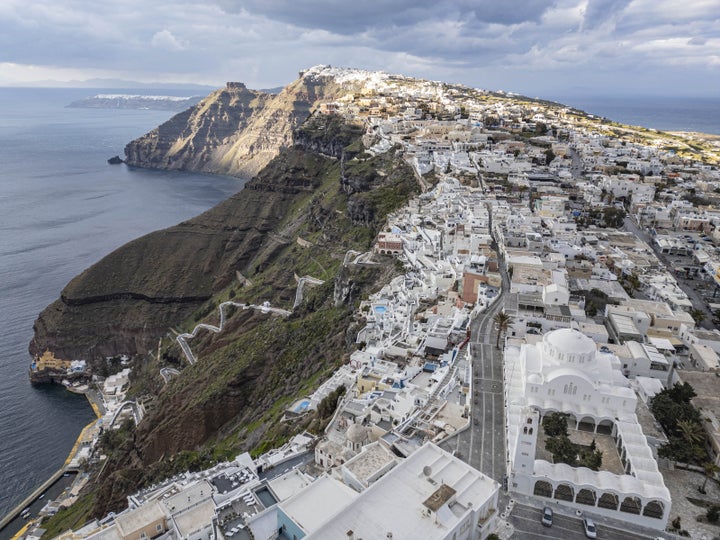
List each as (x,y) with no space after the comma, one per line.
(654,509)
(609,501)
(586,496)
(631,505)
(564,492)
(542,489)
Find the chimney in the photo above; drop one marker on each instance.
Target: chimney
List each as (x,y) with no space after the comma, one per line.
(350,535)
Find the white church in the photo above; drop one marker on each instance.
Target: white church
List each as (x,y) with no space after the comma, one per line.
(566,373)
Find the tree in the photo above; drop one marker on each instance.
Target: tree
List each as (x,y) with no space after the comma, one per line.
(691,431)
(613,217)
(592,459)
(549,156)
(502,323)
(681,393)
(555,424)
(710,469)
(698,315)
(562,449)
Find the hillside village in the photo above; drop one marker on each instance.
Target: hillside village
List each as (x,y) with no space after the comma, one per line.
(555,262)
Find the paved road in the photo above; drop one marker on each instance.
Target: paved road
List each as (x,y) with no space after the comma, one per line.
(576,169)
(697,299)
(526,521)
(483,444)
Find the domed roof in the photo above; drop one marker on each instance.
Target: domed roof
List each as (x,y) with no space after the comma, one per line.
(356,433)
(568,340)
(568,345)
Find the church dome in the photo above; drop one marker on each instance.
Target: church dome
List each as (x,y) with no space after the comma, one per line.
(356,433)
(568,346)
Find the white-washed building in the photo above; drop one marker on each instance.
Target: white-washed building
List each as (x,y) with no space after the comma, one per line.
(565,373)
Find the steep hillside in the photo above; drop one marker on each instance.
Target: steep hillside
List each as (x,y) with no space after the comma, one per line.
(231,399)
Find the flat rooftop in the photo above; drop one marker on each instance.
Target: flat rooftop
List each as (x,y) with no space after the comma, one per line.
(321,499)
(371,460)
(707,388)
(430,477)
(288,484)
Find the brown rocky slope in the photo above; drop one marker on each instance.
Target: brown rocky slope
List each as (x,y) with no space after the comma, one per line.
(232,398)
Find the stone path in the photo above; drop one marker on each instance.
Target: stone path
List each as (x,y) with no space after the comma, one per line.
(683,484)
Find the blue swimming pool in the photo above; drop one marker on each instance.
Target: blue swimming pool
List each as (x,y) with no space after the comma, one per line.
(302,406)
(380,309)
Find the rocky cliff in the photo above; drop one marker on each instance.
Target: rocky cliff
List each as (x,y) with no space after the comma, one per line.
(233,397)
(318,197)
(128,299)
(233,131)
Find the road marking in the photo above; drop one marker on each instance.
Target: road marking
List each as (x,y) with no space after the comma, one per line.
(492,468)
(482,436)
(554,527)
(472,431)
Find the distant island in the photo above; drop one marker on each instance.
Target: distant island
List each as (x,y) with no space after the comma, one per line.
(136,101)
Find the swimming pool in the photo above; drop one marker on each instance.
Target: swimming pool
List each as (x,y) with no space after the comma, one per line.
(265,497)
(380,309)
(302,406)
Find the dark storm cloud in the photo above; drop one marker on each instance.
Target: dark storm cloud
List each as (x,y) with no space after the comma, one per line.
(514,44)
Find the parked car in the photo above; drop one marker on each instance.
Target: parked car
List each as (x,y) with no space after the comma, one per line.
(547,516)
(590,529)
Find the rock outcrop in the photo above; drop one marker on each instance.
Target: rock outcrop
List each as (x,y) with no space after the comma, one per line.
(233,131)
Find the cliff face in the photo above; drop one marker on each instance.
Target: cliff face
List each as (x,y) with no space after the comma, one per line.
(129,298)
(132,296)
(313,201)
(234,131)
(233,397)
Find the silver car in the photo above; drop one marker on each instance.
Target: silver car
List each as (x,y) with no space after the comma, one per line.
(590,529)
(547,517)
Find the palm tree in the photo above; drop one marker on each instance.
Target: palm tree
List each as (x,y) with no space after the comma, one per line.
(710,470)
(690,431)
(502,323)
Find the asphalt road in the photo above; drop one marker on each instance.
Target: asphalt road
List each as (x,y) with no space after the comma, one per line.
(482,445)
(697,299)
(526,521)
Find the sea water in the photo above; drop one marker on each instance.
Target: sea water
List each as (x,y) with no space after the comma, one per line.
(62,208)
(701,115)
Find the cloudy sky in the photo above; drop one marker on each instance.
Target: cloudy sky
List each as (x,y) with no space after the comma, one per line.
(535,47)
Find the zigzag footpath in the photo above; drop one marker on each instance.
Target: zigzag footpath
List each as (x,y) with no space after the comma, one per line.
(182,338)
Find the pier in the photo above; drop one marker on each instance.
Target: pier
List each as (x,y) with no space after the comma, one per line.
(68,466)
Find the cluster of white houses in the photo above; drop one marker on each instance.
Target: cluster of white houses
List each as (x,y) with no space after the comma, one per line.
(430,494)
(532,188)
